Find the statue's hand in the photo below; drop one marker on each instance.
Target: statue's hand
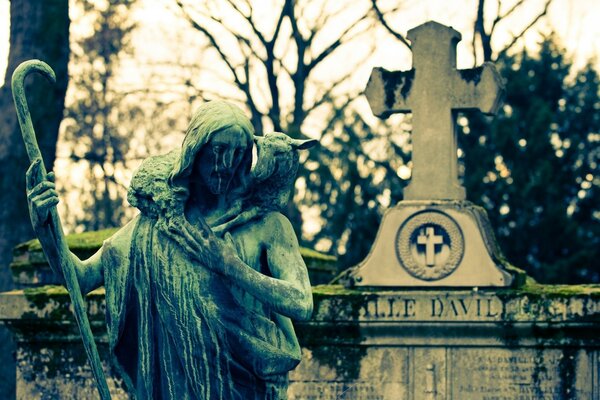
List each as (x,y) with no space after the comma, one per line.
(213,253)
(41,194)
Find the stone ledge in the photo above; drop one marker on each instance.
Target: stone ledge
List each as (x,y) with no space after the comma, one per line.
(530,303)
(45,313)
(335,303)
(353,332)
(30,268)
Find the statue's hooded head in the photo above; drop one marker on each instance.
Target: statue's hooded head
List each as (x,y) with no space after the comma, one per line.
(211,118)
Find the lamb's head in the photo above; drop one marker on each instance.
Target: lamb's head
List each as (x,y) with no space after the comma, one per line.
(277,156)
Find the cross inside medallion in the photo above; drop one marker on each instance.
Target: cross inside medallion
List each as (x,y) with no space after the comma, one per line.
(432,91)
(429,239)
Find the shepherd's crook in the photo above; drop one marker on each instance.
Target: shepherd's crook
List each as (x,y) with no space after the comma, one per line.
(59,257)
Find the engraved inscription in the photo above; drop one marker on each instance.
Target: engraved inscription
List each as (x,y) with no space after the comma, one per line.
(519,374)
(345,390)
(422,307)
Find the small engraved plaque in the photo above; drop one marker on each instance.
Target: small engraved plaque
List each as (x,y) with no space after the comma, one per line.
(430,245)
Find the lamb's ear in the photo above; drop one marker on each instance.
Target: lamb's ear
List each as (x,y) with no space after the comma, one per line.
(258,139)
(303,144)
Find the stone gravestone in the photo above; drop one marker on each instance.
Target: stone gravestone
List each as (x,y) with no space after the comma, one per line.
(432,313)
(436,237)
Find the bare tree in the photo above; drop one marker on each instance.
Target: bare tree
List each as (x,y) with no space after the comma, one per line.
(92,132)
(502,15)
(259,58)
(275,61)
(482,36)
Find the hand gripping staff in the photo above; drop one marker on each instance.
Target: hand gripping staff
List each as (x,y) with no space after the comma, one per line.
(58,254)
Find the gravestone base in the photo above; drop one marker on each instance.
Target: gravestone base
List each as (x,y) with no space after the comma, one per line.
(50,358)
(538,342)
(527,342)
(434,243)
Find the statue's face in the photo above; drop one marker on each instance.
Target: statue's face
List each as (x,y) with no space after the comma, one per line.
(217,163)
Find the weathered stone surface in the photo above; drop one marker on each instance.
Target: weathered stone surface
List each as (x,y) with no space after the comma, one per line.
(433,237)
(526,373)
(63,364)
(51,360)
(433,244)
(30,267)
(387,375)
(535,342)
(433,90)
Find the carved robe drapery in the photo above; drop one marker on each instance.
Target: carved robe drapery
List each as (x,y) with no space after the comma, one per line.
(178,330)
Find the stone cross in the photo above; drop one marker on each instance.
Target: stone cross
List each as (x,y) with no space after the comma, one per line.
(429,239)
(433,90)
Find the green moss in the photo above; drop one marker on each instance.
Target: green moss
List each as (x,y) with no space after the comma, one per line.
(57,296)
(39,297)
(341,290)
(58,299)
(319,262)
(533,289)
(90,242)
(22,266)
(85,241)
(315,255)
(338,347)
(520,276)
(335,290)
(19,268)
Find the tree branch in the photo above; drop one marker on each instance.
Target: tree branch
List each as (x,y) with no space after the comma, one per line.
(342,39)
(248,19)
(510,10)
(524,30)
(326,94)
(381,19)
(242,84)
(213,42)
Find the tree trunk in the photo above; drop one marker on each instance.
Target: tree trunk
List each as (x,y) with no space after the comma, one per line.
(39,29)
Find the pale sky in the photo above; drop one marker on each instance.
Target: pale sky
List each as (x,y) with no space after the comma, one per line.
(576,22)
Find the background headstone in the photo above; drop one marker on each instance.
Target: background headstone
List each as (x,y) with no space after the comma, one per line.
(434,237)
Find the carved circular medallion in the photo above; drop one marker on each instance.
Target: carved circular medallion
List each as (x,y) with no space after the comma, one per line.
(429,245)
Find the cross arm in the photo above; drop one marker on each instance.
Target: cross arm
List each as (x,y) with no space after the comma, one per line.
(395,87)
(479,88)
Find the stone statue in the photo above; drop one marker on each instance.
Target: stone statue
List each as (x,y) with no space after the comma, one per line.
(202,285)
